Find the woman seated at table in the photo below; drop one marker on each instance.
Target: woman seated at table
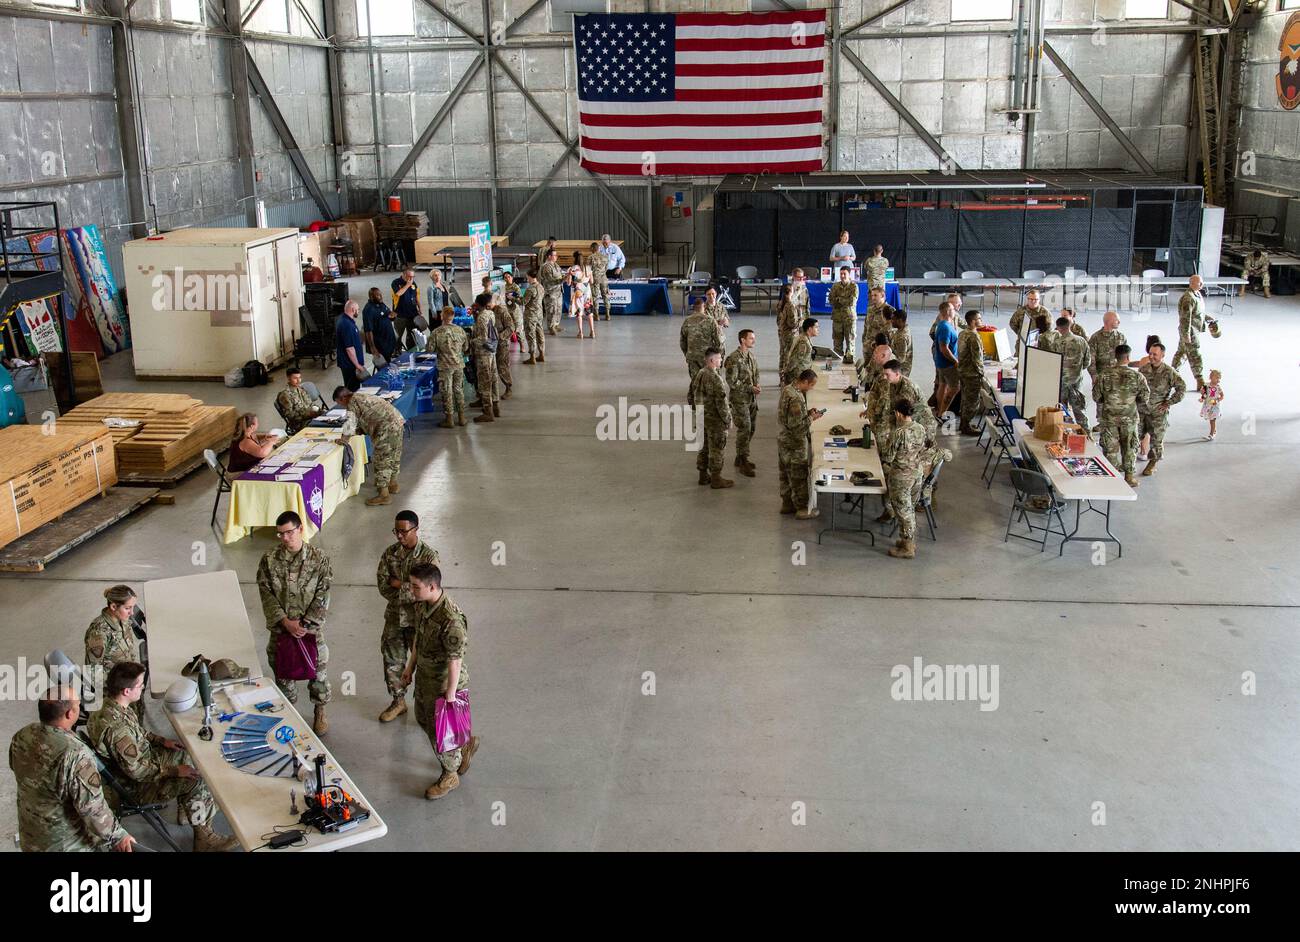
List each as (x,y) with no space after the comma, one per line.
(247,448)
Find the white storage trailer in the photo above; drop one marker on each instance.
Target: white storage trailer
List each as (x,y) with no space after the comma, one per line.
(202,301)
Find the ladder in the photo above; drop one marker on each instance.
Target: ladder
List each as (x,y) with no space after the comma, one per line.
(1207,104)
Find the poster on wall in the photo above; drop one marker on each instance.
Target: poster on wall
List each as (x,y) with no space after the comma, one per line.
(98,288)
(1288,70)
(38,324)
(480,252)
(81,333)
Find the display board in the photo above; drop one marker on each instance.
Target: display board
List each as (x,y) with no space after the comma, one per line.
(480,252)
(1039,380)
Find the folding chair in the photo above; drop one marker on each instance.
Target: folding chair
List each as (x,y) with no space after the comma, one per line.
(127,805)
(1028,486)
(223,482)
(926,503)
(1154,292)
(1000,448)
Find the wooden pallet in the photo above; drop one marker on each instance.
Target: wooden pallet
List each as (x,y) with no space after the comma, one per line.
(166,479)
(33,552)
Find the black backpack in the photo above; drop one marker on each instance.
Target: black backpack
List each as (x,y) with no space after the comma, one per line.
(255,373)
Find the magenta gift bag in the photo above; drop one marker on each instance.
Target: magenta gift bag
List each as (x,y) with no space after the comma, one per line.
(295,658)
(451,722)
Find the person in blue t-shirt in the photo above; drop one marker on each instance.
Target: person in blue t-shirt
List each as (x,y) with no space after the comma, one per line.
(349,348)
(945,359)
(377,322)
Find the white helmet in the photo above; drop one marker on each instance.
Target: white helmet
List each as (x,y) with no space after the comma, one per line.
(181,695)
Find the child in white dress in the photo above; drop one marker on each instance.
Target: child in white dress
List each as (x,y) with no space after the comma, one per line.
(1211,396)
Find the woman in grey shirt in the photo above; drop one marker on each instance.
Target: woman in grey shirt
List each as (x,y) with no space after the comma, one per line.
(842,253)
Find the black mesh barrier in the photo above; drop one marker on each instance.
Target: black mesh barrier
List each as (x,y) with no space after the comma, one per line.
(1153,226)
(1108,261)
(1183,261)
(1064,231)
(1000,230)
(931,229)
(1052,261)
(920,261)
(871,227)
(1111,229)
(745,237)
(991,264)
(1187,226)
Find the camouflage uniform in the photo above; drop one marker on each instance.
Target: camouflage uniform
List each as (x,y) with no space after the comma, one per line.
(1101,347)
(515,309)
(874,271)
(379,419)
(709,390)
(1048,340)
(880,404)
(485,360)
(399,614)
(901,460)
(534,332)
(504,329)
(1120,393)
(878,318)
(1167,389)
(970,370)
(742,377)
(786,325)
(843,298)
(599,263)
(297,585)
(1018,318)
(799,357)
(698,333)
(900,341)
(551,278)
(297,406)
(117,734)
(449,342)
(1257,268)
(1191,321)
(441,634)
(61,803)
(794,446)
(799,302)
(1076,356)
(110,641)
(1078,331)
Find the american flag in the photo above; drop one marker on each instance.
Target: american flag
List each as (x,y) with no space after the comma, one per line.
(700,94)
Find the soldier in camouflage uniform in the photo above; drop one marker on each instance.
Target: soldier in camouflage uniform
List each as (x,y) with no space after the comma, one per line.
(514,301)
(450,342)
(880,316)
(1076,356)
(533,329)
(1032,309)
(598,262)
(742,381)
(294,582)
(1047,335)
(786,325)
(1120,393)
(901,461)
(716,309)
(1167,389)
(552,277)
(891,387)
(1256,266)
(800,356)
(111,639)
(437,665)
(505,328)
(799,296)
(699,333)
(295,404)
(1102,344)
(970,369)
(900,340)
(1078,331)
(485,340)
(156,767)
(875,268)
(843,299)
(399,615)
(379,419)
(869,369)
(1191,322)
(709,391)
(61,803)
(794,445)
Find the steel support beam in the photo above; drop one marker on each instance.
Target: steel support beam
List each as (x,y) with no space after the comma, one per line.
(916,126)
(286,137)
(1098,110)
(541,188)
(494,196)
(443,113)
(875,17)
(128,120)
(243,111)
(338,126)
(311,21)
(456,21)
(514,24)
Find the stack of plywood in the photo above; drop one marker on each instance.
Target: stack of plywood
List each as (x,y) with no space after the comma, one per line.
(173,431)
(42,475)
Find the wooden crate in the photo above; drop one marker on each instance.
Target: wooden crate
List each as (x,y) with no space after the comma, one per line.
(42,476)
(174,429)
(85,375)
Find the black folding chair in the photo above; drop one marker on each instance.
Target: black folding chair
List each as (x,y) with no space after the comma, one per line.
(223,482)
(127,805)
(1035,495)
(926,502)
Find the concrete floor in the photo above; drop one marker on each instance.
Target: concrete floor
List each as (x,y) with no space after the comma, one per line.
(1119,683)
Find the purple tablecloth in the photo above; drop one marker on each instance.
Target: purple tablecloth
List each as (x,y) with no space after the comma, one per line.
(313,489)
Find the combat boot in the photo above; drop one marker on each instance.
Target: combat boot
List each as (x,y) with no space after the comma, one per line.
(393,710)
(1130,480)
(207,840)
(541,358)
(1150,469)
(477,403)
(903,549)
(965,429)
(496,409)
(807,514)
(531,360)
(460,418)
(886,516)
(1267,294)
(745,468)
(466,753)
(486,416)
(506,394)
(718,482)
(787,507)
(448,782)
(393,487)
(320,726)
(380,498)
(446,423)
(704,476)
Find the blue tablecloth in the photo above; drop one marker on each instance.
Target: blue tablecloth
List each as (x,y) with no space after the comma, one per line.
(818,290)
(418,386)
(644,297)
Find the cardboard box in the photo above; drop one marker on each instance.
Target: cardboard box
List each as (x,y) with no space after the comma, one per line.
(1049,424)
(362,229)
(1075,442)
(44,476)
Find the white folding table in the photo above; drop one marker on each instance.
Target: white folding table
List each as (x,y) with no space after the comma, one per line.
(1089,490)
(848,414)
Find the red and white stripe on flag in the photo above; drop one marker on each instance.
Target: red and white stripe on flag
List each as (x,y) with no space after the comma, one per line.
(701,94)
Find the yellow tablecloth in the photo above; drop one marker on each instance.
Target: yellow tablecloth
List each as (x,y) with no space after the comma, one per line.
(258,503)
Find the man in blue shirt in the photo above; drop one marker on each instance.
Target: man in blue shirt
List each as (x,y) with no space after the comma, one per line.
(406,304)
(350,352)
(616,258)
(945,359)
(377,324)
